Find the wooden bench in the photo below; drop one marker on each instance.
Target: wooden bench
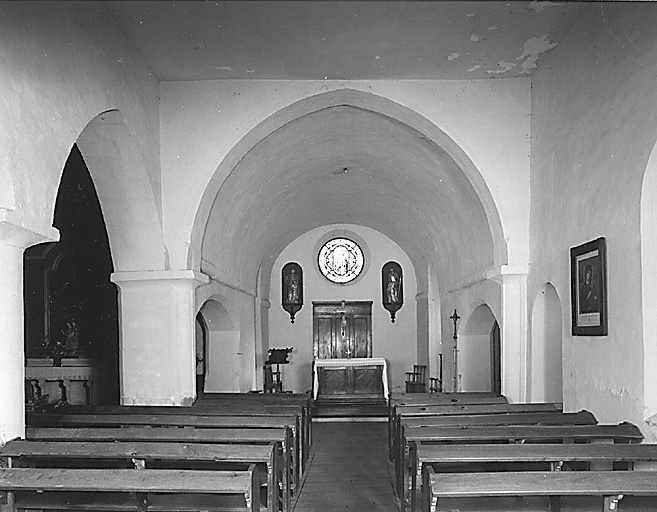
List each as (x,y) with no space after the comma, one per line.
(231,407)
(610,485)
(281,436)
(303,400)
(517,417)
(176,420)
(554,456)
(621,433)
(111,489)
(24,453)
(449,409)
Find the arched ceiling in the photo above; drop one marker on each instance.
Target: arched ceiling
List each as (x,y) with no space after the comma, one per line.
(362,40)
(344,164)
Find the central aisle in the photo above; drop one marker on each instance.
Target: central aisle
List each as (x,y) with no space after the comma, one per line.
(348,469)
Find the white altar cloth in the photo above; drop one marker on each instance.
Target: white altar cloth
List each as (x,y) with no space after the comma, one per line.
(360,361)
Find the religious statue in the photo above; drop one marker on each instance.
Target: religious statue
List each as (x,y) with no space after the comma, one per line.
(392,288)
(292,281)
(292,289)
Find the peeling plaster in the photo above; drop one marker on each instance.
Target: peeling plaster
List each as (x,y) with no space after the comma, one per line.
(453,56)
(503,67)
(474,38)
(534,47)
(540,6)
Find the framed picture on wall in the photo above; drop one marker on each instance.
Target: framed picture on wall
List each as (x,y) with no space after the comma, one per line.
(588,288)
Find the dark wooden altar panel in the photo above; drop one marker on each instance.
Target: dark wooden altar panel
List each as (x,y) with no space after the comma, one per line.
(350,380)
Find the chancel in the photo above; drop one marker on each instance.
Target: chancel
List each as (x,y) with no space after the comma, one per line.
(460,191)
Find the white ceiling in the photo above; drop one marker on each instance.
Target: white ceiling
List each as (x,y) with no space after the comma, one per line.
(367,40)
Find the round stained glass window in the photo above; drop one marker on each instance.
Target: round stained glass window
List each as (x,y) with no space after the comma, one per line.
(340,260)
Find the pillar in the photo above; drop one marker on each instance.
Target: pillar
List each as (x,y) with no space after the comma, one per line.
(157,341)
(514,336)
(14,240)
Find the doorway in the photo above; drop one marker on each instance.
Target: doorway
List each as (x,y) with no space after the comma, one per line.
(496,359)
(342,330)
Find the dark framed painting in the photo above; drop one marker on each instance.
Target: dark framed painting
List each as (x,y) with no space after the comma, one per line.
(588,288)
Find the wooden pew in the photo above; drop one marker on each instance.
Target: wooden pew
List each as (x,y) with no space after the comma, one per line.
(281,436)
(24,453)
(610,485)
(418,411)
(554,456)
(303,400)
(85,489)
(231,407)
(398,400)
(621,433)
(176,420)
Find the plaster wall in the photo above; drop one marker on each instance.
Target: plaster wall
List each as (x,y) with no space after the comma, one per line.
(474,359)
(594,107)
(62,64)
(465,301)
(202,121)
(232,347)
(394,342)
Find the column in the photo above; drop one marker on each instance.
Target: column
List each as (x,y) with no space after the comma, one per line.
(157,336)
(514,336)
(14,240)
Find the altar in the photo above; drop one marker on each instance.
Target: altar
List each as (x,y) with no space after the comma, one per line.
(362,377)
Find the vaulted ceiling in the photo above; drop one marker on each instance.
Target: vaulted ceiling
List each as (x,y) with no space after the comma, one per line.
(344,164)
(343,40)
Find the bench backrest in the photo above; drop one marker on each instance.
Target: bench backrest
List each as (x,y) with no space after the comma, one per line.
(572,418)
(182,420)
(20,448)
(129,480)
(542,483)
(465,453)
(624,432)
(194,435)
(471,409)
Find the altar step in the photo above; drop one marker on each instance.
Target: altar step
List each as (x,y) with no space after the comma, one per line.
(350,407)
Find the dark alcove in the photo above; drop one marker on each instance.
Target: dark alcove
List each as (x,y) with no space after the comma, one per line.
(71,307)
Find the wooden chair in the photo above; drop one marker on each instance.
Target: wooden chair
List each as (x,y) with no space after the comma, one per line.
(273,383)
(416,380)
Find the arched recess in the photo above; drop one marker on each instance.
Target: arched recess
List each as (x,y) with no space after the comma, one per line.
(126,194)
(222,365)
(479,351)
(649,283)
(368,102)
(546,347)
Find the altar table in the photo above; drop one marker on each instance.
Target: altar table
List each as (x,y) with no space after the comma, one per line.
(358,376)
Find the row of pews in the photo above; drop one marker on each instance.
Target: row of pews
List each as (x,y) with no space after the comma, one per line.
(453,447)
(228,452)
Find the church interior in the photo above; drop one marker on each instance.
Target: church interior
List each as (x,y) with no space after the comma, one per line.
(290,207)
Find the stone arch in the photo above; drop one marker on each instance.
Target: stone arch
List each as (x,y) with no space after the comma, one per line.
(476,357)
(367,102)
(649,283)
(126,194)
(546,381)
(222,364)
